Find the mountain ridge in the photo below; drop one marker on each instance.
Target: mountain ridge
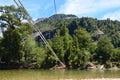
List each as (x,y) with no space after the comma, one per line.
(110,28)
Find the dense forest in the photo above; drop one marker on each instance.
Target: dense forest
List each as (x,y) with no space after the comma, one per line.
(76,41)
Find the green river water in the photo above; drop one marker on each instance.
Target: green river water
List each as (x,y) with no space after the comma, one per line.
(57,74)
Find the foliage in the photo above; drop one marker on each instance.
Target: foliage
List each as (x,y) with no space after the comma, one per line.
(11,16)
(104,51)
(71,38)
(33,54)
(12,49)
(115,39)
(116,55)
(79,51)
(64,40)
(84,38)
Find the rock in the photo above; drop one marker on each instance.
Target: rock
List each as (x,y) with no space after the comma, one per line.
(100,67)
(114,68)
(90,66)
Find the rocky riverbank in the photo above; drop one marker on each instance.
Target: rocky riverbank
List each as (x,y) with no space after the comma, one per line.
(90,65)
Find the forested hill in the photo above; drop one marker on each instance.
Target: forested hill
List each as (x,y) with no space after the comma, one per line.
(76,41)
(94,27)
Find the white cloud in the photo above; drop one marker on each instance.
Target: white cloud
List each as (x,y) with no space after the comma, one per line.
(88,7)
(76,7)
(113,16)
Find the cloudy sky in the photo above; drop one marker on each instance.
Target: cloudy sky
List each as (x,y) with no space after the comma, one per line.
(100,9)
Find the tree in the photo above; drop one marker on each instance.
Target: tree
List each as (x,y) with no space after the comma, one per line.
(11,16)
(34,56)
(84,38)
(12,49)
(115,56)
(79,53)
(78,59)
(74,50)
(1,47)
(115,37)
(59,49)
(67,43)
(61,43)
(12,46)
(104,50)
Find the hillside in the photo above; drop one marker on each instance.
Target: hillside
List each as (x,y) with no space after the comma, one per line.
(93,26)
(54,21)
(63,16)
(90,39)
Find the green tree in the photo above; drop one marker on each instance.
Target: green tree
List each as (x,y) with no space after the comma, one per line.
(115,37)
(67,42)
(34,56)
(1,47)
(58,46)
(74,50)
(84,38)
(79,51)
(12,49)
(11,16)
(61,43)
(12,46)
(115,56)
(104,50)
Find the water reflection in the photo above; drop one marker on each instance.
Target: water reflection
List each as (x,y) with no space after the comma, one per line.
(58,75)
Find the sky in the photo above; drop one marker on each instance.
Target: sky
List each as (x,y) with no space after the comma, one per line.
(100,9)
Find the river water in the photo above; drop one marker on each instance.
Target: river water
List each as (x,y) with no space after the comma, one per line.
(59,74)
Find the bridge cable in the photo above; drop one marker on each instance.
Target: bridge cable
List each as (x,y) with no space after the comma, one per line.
(55,7)
(20,5)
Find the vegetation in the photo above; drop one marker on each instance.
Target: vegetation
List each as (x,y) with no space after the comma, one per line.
(16,45)
(76,41)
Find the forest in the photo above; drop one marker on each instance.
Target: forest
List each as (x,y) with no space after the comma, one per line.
(76,41)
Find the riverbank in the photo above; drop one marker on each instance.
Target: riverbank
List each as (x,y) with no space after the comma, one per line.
(94,79)
(89,66)
(101,79)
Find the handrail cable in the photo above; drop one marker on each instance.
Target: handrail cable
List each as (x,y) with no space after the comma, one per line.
(55,7)
(20,5)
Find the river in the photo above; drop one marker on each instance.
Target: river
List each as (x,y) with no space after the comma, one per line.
(59,75)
